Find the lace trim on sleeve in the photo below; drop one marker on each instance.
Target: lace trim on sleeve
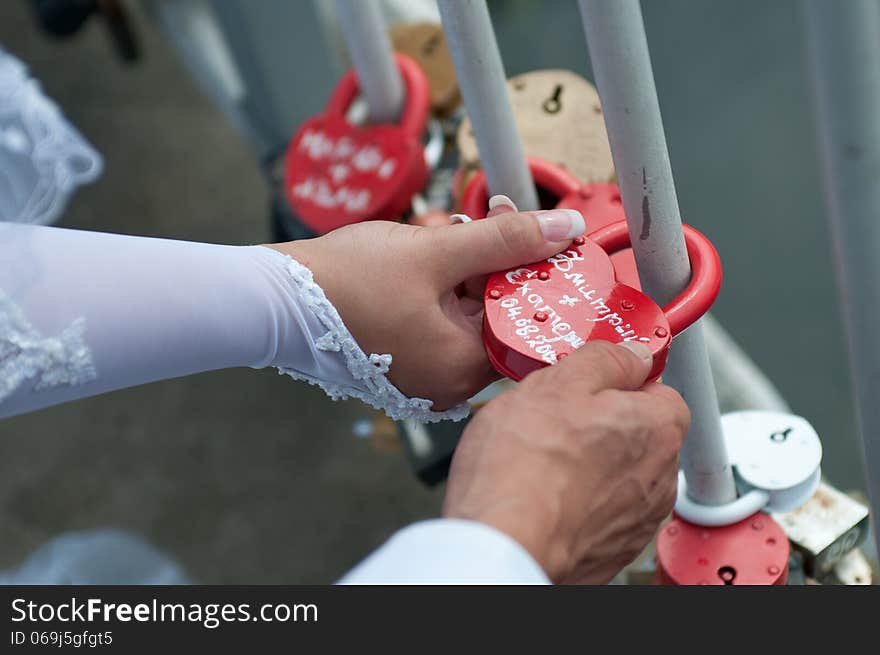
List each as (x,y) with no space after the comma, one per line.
(369,371)
(27,355)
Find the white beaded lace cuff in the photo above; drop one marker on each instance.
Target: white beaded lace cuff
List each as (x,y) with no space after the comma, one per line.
(368,381)
(26,357)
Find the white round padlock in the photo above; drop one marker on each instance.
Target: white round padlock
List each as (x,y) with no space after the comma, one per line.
(776,461)
(776,452)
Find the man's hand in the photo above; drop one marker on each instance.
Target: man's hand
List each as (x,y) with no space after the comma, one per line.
(417,292)
(578,463)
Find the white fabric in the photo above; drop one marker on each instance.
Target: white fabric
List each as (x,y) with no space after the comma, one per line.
(448,551)
(45,361)
(43,158)
(97,557)
(82,313)
(445,551)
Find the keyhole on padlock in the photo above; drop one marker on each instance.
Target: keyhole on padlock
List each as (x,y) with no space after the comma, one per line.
(780,436)
(552,105)
(431,45)
(727,574)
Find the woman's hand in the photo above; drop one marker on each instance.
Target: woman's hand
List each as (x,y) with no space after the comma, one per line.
(578,463)
(417,292)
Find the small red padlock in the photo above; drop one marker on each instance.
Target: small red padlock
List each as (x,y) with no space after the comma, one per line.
(753,551)
(599,203)
(539,313)
(338,173)
(553,183)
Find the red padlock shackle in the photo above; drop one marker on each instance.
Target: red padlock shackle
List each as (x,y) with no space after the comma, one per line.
(546,176)
(696,299)
(416,103)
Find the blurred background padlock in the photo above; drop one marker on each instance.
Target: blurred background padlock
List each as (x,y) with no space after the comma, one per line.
(559,117)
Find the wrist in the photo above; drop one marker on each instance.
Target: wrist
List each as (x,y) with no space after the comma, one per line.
(300,250)
(521,504)
(318,347)
(448,551)
(525,533)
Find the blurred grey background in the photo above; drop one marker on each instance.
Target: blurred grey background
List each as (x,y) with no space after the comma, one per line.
(247,477)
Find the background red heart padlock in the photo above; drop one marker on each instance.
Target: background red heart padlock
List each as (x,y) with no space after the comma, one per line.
(599,203)
(539,313)
(338,173)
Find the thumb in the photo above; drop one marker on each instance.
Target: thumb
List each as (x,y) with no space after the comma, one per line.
(503,241)
(602,365)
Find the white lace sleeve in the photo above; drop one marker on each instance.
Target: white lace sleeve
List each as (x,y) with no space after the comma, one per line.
(83,313)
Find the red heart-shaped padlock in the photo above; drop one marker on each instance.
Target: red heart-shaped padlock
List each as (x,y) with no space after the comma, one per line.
(539,313)
(599,203)
(338,173)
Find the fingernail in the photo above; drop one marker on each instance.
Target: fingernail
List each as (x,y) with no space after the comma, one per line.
(640,350)
(501,201)
(561,224)
(460,218)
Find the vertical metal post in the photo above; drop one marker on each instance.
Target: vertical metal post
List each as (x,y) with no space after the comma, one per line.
(844,49)
(372,57)
(622,67)
(483,87)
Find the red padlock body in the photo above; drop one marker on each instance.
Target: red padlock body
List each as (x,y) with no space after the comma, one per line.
(600,204)
(338,173)
(752,552)
(539,313)
(574,297)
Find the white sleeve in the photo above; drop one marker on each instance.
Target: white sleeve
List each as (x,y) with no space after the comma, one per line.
(82,313)
(448,551)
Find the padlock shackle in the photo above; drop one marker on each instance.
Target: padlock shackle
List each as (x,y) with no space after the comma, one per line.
(416,103)
(702,290)
(547,176)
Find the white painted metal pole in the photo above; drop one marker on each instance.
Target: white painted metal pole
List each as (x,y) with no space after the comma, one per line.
(483,87)
(372,57)
(622,67)
(844,48)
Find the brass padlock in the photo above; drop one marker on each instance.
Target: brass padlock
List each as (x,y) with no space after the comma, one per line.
(426,44)
(559,118)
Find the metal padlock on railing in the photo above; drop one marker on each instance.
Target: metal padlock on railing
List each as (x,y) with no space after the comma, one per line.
(426,44)
(338,173)
(753,551)
(825,529)
(539,313)
(776,460)
(600,204)
(775,457)
(559,119)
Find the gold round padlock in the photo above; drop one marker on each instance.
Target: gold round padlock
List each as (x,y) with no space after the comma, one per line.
(426,44)
(559,118)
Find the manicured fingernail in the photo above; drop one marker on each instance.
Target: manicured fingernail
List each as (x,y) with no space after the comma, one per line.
(640,350)
(501,201)
(460,218)
(561,224)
